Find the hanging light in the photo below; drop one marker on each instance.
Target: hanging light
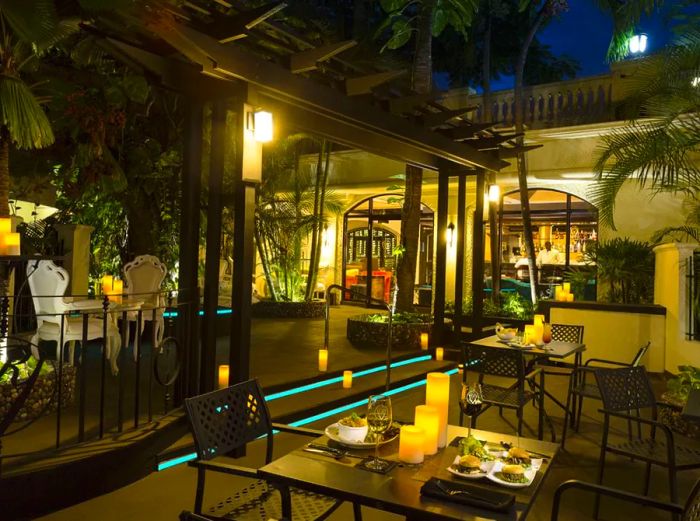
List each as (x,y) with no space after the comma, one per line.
(637,44)
(450,234)
(494,193)
(260,124)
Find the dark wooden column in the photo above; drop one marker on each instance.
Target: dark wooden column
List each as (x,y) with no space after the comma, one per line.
(459,261)
(211,271)
(440,258)
(248,171)
(478,255)
(188,293)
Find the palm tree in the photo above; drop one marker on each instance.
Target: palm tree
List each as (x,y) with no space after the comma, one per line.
(27,28)
(423,19)
(658,148)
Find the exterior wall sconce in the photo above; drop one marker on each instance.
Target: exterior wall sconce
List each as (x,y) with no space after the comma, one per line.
(260,124)
(450,234)
(637,44)
(494,193)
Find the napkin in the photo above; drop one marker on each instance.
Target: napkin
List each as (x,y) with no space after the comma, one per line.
(477,497)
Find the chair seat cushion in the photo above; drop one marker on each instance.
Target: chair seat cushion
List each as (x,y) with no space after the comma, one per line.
(686,456)
(260,501)
(503,396)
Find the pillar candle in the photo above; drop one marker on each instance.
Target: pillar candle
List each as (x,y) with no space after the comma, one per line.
(567,287)
(411,441)
(428,419)
(569,297)
(529,334)
(117,290)
(437,394)
(538,318)
(223,376)
(439,353)
(347,379)
(5,225)
(107,282)
(538,330)
(424,341)
(10,243)
(557,293)
(323,360)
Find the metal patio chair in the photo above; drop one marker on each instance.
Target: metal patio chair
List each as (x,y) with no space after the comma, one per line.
(626,389)
(228,419)
(689,512)
(567,333)
(505,363)
(582,385)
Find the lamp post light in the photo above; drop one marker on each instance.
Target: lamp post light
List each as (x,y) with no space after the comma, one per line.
(450,234)
(637,44)
(494,193)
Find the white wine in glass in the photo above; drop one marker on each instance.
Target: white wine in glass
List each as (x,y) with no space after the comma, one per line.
(378,421)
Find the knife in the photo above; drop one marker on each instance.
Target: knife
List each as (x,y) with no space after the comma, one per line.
(323,452)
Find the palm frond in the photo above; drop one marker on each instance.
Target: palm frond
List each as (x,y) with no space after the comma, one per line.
(21,113)
(33,21)
(677,233)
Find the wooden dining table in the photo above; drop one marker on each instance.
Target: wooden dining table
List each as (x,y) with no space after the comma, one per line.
(398,491)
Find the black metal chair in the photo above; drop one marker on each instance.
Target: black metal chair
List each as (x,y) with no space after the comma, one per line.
(690,512)
(582,385)
(226,420)
(626,389)
(507,363)
(186,515)
(567,333)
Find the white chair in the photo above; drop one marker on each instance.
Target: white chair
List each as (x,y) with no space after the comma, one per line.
(48,283)
(144,276)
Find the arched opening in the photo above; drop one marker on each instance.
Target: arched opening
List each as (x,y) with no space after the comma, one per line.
(371,232)
(561,221)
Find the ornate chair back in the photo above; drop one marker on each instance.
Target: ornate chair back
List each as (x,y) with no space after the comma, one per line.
(144,276)
(228,419)
(47,283)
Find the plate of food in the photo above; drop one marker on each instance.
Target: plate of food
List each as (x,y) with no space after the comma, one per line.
(518,456)
(471,446)
(470,467)
(511,475)
(348,431)
(505,333)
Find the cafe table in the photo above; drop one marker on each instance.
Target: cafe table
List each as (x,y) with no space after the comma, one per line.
(398,491)
(555,350)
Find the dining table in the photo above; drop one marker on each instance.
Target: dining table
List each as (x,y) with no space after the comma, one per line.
(556,350)
(399,490)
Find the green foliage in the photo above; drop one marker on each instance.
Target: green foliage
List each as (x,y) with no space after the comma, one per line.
(401,317)
(627,266)
(686,380)
(516,306)
(579,277)
(24,370)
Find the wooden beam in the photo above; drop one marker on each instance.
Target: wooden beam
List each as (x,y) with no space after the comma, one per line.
(435,119)
(230,28)
(511,152)
(465,131)
(491,142)
(365,84)
(407,104)
(308,60)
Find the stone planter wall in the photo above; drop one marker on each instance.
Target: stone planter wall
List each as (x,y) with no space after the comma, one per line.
(41,394)
(373,335)
(270,309)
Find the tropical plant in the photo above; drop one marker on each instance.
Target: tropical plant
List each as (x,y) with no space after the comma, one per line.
(626,266)
(690,231)
(578,277)
(680,385)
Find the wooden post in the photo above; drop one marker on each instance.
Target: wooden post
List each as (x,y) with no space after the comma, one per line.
(440,257)
(459,261)
(478,255)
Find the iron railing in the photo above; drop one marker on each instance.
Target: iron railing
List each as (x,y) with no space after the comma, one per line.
(693,297)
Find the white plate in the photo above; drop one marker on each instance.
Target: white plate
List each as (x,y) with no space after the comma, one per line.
(332,433)
(529,474)
(485,466)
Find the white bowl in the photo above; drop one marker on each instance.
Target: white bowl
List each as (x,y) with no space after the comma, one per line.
(352,434)
(506,335)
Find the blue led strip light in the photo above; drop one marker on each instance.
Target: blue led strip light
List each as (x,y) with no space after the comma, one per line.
(222,311)
(305,421)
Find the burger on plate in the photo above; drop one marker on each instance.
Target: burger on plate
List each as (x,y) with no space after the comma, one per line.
(469,464)
(518,456)
(513,474)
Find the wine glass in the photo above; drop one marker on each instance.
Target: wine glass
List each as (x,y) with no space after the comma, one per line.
(470,401)
(546,335)
(378,421)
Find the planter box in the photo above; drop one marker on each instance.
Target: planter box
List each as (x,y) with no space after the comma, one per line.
(41,395)
(270,309)
(670,414)
(373,335)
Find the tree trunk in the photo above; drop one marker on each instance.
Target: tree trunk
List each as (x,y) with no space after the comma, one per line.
(265,261)
(410,231)
(316,231)
(422,70)
(522,163)
(4,173)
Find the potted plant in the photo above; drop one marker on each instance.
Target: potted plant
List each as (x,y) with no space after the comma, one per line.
(675,398)
(370,330)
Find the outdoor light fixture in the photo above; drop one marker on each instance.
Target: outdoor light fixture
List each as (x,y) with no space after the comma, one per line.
(260,123)
(494,193)
(638,44)
(450,234)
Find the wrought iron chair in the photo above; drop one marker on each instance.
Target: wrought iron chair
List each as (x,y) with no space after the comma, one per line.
(690,512)
(622,391)
(567,333)
(582,385)
(507,363)
(226,420)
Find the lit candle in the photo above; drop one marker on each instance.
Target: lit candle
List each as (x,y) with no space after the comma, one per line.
(569,297)
(5,225)
(323,360)
(557,293)
(107,282)
(439,353)
(411,441)
(117,290)
(567,287)
(529,334)
(223,376)
(10,243)
(347,379)
(424,341)
(538,330)
(437,394)
(538,318)
(428,419)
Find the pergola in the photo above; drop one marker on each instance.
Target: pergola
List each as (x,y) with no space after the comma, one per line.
(240,60)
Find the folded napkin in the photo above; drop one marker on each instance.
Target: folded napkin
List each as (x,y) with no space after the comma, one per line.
(475,496)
